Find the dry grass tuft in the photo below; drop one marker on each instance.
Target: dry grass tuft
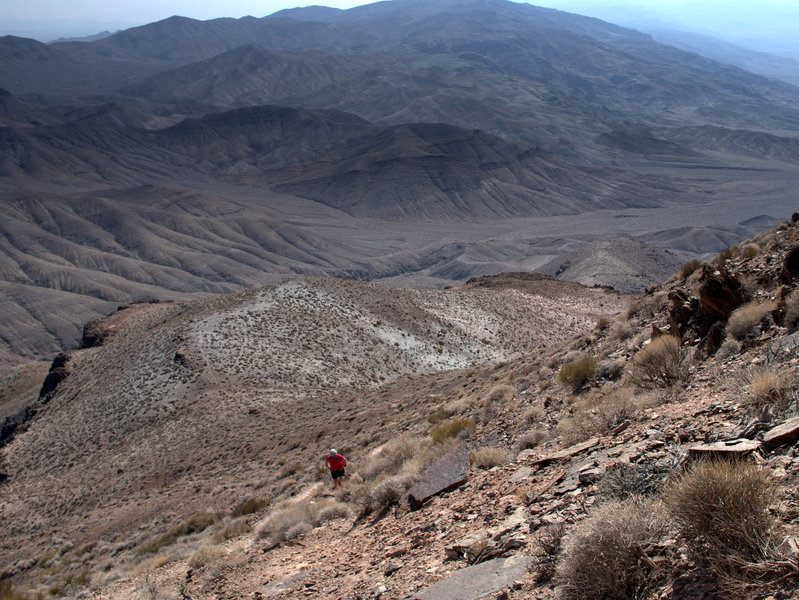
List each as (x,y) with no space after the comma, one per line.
(600,412)
(205,555)
(689,268)
(199,521)
(531,439)
(744,320)
(721,509)
(488,457)
(611,553)
(453,428)
(766,386)
(658,364)
(575,374)
(232,528)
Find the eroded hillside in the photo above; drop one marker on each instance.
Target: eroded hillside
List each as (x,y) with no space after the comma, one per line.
(187,405)
(228,482)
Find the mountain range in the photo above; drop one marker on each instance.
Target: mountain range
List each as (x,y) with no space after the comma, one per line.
(419,142)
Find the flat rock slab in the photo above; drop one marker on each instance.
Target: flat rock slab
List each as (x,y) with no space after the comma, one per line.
(446,473)
(566,453)
(473,583)
(734,448)
(787,433)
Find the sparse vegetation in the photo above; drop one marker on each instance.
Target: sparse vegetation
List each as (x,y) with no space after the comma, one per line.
(487,457)
(247,507)
(721,509)
(531,439)
(766,386)
(197,522)
(610,554)
(450,429)
(746,318)
(575,374)
(599,412)
(206,554)
(8,592)
(549,540)
(658,364)
(689,268)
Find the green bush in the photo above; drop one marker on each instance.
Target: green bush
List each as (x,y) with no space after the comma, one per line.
(451,429)
(575,374)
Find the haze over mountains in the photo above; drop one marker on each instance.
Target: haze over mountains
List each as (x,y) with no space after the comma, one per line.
(414,141)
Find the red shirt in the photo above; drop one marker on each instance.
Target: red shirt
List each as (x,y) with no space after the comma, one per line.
(337,463)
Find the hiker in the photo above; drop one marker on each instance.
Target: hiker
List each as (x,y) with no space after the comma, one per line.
(336,463)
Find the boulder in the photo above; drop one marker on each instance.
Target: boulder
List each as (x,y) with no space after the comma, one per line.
(731,449)
(790,266)
(787,433)
(720,293)
(446,473)
(475,582)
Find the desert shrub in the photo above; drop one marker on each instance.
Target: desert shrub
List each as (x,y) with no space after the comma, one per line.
(746,318)
(659,363)
(611,369)
(765,385)
(487,457)
(206,554)
(386,493)
(391,457)
(620,330)
(532,414)
(723,257)
(196,523)
(603,324)
(688,268)
(278,524)
(7,591)
(232,528)
(728,348)
(721,508)
(792,311)
(531,439)
(548,540)
(609,554)
(749,250)
(575,374)
(247,507)
(296,531)
(625,480)
(600,412)
(450,429)
(334,510)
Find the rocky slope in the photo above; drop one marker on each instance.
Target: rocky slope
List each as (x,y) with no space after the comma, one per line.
(588,440)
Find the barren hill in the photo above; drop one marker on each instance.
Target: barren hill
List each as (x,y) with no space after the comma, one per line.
(206,423)
(425,143)
(184,396)
(626,264)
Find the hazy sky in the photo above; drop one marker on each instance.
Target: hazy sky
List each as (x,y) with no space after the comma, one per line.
(49,19)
